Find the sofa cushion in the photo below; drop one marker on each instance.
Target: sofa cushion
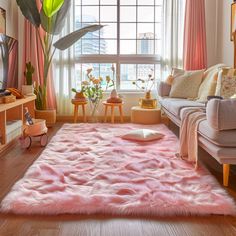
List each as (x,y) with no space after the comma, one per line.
(226,138)
(174,105)
(208,85)
(187,85)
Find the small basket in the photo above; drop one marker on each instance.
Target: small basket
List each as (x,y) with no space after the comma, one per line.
(37,128)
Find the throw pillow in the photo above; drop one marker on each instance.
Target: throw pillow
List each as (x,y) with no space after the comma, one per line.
(187,85)
(208,86)
(174,73)
(226,84)
(142,135)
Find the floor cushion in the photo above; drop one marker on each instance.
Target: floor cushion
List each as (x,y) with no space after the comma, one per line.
(142,135)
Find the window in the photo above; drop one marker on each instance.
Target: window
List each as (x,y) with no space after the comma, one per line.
(131,39)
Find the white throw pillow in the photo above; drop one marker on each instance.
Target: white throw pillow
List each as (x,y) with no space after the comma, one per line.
(143,135)
(187,85)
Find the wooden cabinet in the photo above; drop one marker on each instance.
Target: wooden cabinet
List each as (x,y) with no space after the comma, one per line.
(14,111)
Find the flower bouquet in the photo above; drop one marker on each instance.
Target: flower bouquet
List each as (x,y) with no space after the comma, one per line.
(146,85)
(93,90)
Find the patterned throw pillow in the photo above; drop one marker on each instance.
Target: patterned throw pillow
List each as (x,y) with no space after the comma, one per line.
(187,85)
(226,84)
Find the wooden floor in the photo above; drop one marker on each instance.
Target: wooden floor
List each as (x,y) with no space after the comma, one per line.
(13,166)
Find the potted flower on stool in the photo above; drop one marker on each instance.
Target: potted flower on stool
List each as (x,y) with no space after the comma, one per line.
(93,89)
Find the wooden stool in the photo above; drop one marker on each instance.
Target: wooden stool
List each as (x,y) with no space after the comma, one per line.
(113,105)
(77,103)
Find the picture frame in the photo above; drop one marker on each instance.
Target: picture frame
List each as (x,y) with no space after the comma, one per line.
(233,20)
(2,21)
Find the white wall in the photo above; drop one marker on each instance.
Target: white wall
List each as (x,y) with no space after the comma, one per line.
(12,17)
(219,46)
(225,46)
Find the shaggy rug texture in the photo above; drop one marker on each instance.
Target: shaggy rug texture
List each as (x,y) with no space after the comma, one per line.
(88,168)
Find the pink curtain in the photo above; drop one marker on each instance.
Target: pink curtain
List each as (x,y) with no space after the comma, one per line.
(195,48)
(33,52)
(12,80)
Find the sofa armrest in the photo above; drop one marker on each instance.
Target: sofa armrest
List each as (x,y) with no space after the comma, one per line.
(221,114)
(164,89)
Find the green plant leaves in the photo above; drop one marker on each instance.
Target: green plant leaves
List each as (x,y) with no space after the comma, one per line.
(30,11)
(53,25)
(51,7)
(71,38)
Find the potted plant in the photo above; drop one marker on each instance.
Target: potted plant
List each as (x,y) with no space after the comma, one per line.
(50,18)
(28,89)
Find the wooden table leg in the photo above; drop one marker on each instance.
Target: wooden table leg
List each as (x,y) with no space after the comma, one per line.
(84,115)
(121,113)
(112,115)
(105,116)
(75,113)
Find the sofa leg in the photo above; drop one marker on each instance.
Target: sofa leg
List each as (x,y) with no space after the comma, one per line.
(226,168)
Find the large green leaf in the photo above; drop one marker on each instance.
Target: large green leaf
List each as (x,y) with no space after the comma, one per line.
(30,11)
(54,24)
(51,7)
(71,38)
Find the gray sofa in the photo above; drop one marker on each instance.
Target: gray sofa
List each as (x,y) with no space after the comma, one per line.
(216,134)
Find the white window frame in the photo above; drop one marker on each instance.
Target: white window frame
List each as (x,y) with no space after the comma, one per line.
(119,59)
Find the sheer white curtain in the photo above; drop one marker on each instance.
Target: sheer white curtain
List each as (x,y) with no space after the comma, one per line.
(173,29)
(64,70)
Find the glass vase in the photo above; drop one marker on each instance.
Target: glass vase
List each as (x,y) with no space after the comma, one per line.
(94,113)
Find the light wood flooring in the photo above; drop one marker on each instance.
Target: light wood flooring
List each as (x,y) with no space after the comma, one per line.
(14,164)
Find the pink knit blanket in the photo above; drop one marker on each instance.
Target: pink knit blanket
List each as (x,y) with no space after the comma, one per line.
(88,168)
(191,118)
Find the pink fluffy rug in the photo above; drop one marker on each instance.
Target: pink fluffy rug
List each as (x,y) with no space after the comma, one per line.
(88,168)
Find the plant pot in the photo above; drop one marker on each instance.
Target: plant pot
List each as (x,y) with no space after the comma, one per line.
(148,102)
(27,90)
(79,96)
(48,115)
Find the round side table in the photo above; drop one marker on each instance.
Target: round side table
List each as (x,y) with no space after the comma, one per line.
(145,116)
(76,104)
(112,106)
